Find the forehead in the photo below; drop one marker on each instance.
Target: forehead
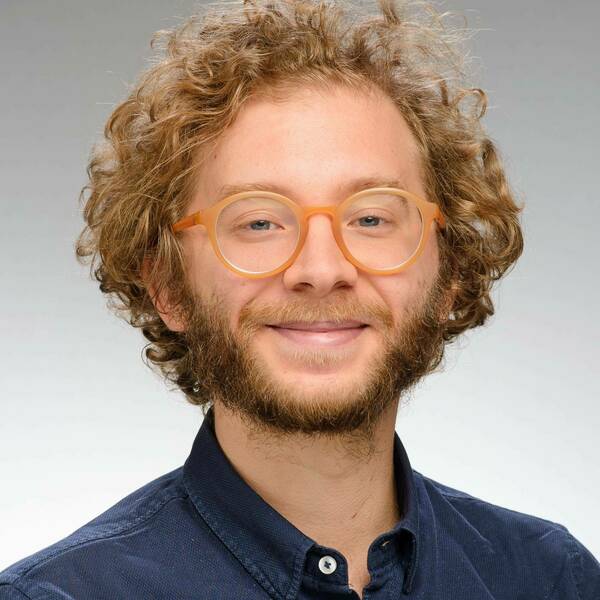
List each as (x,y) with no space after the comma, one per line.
(315,143)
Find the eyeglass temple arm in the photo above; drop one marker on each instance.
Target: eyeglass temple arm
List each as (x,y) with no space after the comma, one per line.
(189,221)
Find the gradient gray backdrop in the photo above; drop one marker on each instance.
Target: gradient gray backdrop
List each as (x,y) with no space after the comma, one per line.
(514,419)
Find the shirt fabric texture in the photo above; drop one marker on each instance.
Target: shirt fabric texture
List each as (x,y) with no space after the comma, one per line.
(201,532)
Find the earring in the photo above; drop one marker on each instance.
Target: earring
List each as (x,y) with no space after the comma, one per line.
(196,387)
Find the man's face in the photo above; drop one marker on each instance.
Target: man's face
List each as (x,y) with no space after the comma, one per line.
(313,146)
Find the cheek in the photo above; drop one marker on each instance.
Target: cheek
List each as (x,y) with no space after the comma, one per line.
(208,275)
(405,290)
(398,295)
(213,281)
(423,272)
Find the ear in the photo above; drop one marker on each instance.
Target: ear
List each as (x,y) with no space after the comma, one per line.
(161,301)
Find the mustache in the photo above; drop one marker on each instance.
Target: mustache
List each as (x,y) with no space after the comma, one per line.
(299,310)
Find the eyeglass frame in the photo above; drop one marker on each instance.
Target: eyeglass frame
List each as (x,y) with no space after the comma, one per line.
(207,217)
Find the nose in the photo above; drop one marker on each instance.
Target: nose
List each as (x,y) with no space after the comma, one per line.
(321,265)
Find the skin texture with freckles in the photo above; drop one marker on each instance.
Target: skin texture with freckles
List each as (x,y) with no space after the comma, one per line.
(304,423)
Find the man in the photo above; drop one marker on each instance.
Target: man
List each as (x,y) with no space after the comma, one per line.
(299,222)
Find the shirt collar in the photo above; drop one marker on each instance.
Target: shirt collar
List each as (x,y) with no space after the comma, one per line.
(271,548)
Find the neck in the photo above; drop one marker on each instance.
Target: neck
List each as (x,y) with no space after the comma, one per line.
(340,499)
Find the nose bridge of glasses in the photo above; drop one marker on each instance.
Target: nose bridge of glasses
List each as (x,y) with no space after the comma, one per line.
(314,210)
(311,211)
(329,211)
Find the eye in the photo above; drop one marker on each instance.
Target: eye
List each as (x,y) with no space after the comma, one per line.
(371,219)
(262,221)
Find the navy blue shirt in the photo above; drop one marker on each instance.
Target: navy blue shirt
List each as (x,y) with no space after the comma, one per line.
(201,532)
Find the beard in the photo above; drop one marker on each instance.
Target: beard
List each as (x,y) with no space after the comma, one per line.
(229,370)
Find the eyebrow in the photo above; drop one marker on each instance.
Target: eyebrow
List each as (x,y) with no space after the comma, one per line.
(351,187)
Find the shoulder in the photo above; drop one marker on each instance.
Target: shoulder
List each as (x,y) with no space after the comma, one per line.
(492,521)
(141,510)
(529,547)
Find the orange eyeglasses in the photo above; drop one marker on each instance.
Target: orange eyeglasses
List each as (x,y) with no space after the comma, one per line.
(392,231)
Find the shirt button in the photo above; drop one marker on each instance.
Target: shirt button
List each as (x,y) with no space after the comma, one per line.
(327,565)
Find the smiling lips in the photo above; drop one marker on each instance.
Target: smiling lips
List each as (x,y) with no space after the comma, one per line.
(321,326)
(320,333)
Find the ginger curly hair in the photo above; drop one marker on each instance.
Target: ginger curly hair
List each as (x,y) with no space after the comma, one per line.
(140,173)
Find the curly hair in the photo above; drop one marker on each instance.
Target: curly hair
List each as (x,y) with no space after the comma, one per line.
(140,173)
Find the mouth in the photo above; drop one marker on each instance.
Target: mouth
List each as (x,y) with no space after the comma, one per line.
(319,326)
(321,334)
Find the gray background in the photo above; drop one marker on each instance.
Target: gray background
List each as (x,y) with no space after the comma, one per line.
(513,420)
